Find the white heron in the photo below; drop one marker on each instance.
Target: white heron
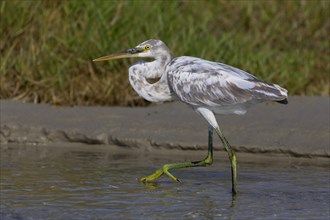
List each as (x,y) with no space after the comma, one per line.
(208,87)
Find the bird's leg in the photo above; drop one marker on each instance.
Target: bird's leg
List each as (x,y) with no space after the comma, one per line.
(232,158)
(165,169)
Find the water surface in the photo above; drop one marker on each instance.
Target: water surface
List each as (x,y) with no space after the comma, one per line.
(95,182)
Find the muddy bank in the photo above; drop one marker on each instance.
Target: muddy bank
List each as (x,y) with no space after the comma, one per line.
(299,129)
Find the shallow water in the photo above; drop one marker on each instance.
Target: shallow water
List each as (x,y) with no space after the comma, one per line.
(88,182)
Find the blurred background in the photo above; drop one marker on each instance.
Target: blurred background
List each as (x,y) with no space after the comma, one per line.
(47,47)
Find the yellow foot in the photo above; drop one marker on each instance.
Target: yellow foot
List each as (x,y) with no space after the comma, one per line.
(158,174)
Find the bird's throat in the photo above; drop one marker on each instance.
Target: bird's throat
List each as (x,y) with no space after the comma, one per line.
(143,79)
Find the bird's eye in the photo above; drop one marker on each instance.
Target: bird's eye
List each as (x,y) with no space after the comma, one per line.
(147,47)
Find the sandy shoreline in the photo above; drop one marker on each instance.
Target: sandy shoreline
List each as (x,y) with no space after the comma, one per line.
(299,129)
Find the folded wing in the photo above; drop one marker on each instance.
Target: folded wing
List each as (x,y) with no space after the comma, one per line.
(204,83)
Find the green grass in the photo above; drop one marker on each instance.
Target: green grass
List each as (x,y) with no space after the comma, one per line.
(46,47)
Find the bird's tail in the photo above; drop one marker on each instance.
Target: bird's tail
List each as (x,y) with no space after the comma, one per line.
(284,94)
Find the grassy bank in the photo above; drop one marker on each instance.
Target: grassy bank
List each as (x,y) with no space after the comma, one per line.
(47,46)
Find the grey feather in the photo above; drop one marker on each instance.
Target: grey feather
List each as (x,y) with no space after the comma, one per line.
(200,82)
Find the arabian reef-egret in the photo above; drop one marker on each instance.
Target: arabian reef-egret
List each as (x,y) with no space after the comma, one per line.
(208,87)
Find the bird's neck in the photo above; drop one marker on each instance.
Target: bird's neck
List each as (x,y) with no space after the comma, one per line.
(153,92)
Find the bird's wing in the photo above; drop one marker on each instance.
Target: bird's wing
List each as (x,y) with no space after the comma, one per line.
(200,82)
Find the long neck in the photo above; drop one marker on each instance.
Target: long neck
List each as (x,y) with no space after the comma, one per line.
(153,92)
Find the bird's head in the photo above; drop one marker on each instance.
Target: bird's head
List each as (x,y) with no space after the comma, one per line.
(150,49)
